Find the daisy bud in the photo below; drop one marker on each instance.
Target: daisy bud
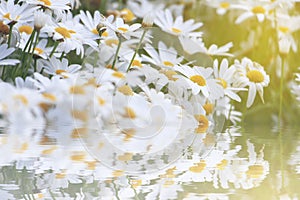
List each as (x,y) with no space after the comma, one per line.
(40,19)
(284,46)
(148,20)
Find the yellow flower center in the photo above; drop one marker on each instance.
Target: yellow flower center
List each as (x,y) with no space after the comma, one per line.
(123,29)
(110,42)
(222,164)
(129,133)
(203,124)
(49,96)
(25,29)
(46,2)
(76,89)
(49,151)
(78,156)
(199,167)
(168,63)
(135,183)
(170,74)
(60,175)
(209,108)
(255,171)
(23,148)
(104,34)
(95,31)
(126,90)
(258,10)
(101,101)
(224,4)
(127,15)
(91,165)
(64,32)
(284,29)
(7,16)
(198,79)
(137,63)
(176,30)
(118,173)
(118,74)
(60,71)
(125,157)
(129,113)
(255,76)
(222,82)
(21,98)
(39,50)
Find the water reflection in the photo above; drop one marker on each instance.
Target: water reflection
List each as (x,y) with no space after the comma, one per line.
(53,163)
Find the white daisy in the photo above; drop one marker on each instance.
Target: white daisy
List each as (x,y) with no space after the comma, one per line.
(4,52)
(56,5)
(253,9)
(56,67)
(141,8)
(225,77)
(90,22)
(164,57)
(165,21)
(192,45)
(199,80)
(16,13)
(253,75)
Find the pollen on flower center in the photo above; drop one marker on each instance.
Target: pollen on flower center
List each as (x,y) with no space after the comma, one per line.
(137,63)
(60,71)
(118,74)
(123,29)
(129,113)
(258,10)
(222,82)
(255,171)
(199,167)
(255,76)
(203,124)
(176,30)
(26,29)
(7,16)
(168,63)
(39,50)
(284,29)
(224,4)
(21,98)
(64,32)
(126,90)
(127,15)
(46,2)
(95,31)
(198,79)
(209,108)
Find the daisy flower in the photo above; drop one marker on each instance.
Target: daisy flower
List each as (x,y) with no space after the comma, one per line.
(119,26)
(165,21)
(222,6)
(225,77)
(192,45)
(56,67)
(141,8)
(253,75)
(199,80)
(90,22)
(258,10)
(15,13)
(56,5)
(4,52)
(164,58)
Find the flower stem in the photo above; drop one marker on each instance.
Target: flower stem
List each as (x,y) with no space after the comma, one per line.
(10,34)
(54,48)
(281,90)
(117,52)
(137,48)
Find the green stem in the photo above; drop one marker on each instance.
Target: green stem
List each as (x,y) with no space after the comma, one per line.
(117,52)
(281,90)
(137,48)
(54,49)
(10,34)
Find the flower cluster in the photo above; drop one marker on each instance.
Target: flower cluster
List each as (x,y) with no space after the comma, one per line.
(129,75)
(281,15)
